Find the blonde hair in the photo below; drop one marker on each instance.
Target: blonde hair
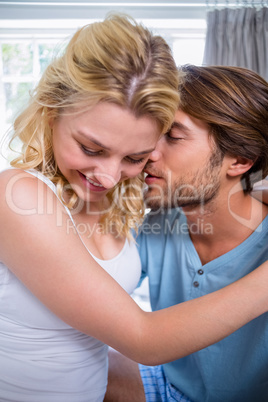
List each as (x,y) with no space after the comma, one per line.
(117,61)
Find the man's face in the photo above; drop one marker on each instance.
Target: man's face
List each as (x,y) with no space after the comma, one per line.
(184,170)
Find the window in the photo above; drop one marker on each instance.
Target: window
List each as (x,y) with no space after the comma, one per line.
(26,51)
(23,61)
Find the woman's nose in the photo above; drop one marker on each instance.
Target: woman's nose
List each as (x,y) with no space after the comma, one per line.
(109,174)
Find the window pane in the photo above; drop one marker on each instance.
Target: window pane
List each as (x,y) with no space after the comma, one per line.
(17,58)
(188,50)
(46,52)
(17,95)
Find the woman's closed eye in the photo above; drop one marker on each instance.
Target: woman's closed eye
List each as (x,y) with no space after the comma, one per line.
(89,151)
(92,152)
(131,160)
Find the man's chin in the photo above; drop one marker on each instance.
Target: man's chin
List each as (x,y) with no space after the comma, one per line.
(152,200)
(156,205)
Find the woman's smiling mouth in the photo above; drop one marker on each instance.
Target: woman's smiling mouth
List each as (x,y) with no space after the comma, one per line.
(91,184)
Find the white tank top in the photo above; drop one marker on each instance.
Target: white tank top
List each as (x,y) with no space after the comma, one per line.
(42,359)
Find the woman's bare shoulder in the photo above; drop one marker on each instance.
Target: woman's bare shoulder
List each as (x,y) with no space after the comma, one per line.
(17,180)
(21,191)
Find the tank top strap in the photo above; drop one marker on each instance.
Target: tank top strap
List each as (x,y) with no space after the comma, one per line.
(52,186)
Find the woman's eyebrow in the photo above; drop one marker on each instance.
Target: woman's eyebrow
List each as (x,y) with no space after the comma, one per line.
(93,140)
(147,151)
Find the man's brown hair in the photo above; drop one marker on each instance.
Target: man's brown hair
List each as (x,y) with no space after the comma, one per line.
(233,101)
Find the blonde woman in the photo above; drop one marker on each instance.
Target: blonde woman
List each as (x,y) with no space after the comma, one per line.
(67,208)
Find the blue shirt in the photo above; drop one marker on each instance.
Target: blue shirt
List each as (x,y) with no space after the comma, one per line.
(236,368)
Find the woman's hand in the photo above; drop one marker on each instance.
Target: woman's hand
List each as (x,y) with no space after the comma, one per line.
(260,191)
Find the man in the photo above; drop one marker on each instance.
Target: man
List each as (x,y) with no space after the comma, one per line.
(205,231)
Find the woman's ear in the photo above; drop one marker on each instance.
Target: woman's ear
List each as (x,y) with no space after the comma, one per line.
(239,165)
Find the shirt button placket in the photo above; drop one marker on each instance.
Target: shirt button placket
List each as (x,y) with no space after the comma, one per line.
(196,283)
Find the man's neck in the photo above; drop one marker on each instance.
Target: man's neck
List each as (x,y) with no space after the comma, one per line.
(223,224)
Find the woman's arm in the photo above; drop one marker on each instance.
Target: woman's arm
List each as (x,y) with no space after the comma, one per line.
(39,246)
(260,191)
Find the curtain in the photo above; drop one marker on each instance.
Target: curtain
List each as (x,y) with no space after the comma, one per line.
(238,37)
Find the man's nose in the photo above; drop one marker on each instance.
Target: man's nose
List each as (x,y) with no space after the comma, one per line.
(155,155)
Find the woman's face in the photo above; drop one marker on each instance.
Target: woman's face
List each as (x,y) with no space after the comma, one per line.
(100,147)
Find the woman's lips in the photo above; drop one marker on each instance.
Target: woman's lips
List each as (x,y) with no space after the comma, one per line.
(92,185)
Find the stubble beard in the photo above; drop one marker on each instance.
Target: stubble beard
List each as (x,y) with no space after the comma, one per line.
(193,190)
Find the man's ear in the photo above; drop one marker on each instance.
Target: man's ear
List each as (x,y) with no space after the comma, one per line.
(239,166)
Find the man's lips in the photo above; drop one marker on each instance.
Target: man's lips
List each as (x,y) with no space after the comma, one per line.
(151,177)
